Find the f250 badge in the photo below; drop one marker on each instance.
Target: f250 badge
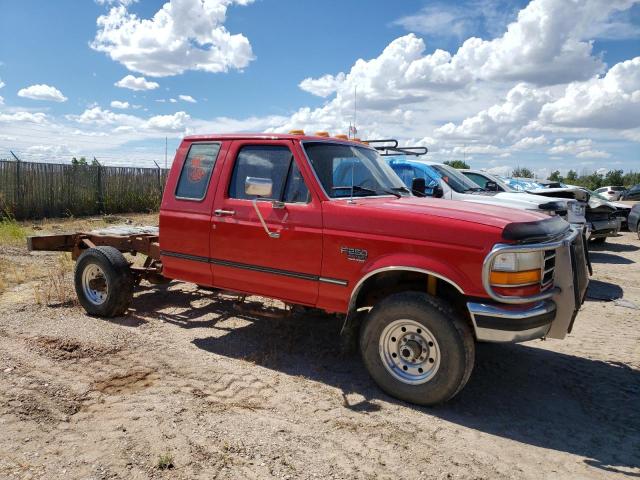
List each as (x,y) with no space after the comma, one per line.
(354,254)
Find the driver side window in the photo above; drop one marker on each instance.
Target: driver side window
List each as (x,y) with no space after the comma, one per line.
(479,179)
(272,162)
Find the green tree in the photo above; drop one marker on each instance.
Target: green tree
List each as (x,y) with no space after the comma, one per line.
(614,177)
(572,176)
(631,178)
(522,172)
(457,164)
(76,162)
(555,176)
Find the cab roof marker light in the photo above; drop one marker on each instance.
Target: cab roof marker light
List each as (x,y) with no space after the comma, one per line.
(322,134)
(296,132)
(342,137)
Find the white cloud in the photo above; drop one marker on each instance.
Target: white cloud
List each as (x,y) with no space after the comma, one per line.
(544,46)
(172,123)
(38,117)
(1,100)
(136,83)
(527,143)
(42,92)
(173,100)
(183,35)
(323,86)
(612,101)
(2,84)
(187,98)
(119,104)
(522,104)
(582,148)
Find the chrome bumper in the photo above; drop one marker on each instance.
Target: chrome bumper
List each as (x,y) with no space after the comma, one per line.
(494,323)
(548,314)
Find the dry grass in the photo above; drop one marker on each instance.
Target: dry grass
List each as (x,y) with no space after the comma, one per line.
(56,288)
(11,232)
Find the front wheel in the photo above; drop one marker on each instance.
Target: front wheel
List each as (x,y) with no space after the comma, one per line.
(103,281)
(416,349)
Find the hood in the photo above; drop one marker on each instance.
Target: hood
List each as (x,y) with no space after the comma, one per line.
(568,192)
(522,201)
(535,199)
(461,211)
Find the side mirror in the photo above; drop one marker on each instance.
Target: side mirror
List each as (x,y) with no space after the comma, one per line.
(491,186)
(260,187)
(419,187)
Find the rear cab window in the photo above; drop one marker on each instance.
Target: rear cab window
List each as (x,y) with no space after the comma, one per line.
(196,171)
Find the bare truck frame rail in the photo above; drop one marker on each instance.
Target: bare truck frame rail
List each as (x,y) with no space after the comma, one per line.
(131,240)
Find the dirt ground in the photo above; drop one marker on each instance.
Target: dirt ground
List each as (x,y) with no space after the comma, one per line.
(186,385)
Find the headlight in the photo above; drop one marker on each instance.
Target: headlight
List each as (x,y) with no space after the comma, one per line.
(516,262)
(517,269)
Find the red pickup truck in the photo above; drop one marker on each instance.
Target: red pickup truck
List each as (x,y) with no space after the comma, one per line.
(324,222)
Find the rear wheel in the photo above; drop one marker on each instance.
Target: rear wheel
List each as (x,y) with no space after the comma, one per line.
(416,349)
(638,230)
(103,281)
(599,240)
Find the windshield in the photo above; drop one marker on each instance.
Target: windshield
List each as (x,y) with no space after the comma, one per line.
(341,166)
(456,180)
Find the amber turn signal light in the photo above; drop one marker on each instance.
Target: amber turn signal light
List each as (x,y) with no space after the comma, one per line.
(508,279)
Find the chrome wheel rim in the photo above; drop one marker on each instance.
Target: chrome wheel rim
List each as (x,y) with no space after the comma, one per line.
(94,284)
(409,352)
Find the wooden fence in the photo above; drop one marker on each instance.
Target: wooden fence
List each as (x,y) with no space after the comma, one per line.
(38,190)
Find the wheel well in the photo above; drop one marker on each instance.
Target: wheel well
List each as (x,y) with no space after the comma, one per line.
(383,284)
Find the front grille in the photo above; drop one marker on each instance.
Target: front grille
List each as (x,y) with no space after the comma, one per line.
(548,269)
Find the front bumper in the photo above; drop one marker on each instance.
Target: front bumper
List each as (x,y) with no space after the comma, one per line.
(548,314)
(605,228)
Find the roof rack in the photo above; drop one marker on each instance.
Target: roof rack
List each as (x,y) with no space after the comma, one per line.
(389,147)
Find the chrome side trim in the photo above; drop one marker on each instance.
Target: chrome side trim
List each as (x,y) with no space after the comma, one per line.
(531,247)
(333,281)
(356,290)
(256,268)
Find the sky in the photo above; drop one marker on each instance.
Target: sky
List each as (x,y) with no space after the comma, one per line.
(546,84)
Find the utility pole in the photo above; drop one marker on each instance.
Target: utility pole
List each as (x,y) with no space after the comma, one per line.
(165,152)
(14,155)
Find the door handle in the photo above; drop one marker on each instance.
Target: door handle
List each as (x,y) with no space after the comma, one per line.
(223,213)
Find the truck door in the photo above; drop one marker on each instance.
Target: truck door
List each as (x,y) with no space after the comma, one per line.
(266,224)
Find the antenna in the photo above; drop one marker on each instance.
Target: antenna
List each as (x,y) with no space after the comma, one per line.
(353,130)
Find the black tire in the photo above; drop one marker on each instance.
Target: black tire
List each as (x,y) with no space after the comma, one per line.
(638,230)
(454,340)
(599,240)
(118,292)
